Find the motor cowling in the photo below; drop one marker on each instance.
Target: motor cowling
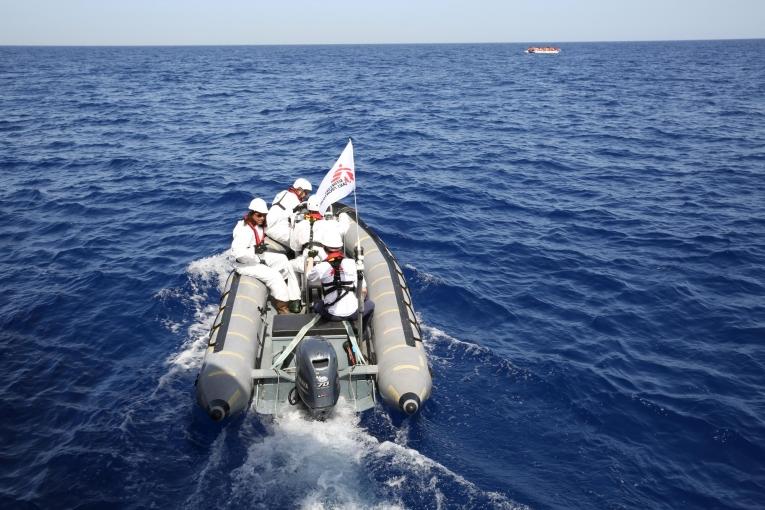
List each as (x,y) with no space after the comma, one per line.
(317,382)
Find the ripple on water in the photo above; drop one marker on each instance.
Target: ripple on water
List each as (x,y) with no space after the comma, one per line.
(583,236)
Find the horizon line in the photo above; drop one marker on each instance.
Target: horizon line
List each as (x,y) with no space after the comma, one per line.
(202,45)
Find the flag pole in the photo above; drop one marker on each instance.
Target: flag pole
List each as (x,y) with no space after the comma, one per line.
(355,205)
(359,261)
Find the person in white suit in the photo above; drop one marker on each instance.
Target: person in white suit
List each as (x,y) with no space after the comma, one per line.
(338,277)
(251,258)
(282,210)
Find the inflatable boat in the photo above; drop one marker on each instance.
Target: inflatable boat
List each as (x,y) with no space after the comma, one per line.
(256,358)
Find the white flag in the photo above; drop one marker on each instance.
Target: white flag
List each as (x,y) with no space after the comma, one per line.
(339,181)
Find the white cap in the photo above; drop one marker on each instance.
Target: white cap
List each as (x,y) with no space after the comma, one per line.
(332,239)
(313,203)
(259,205)
(302,184)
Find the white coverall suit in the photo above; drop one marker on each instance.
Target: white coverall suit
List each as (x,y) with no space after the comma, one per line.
(301,234)
(275,270)
(279,218)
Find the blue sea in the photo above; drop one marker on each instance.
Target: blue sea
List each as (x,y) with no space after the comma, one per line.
(583,233)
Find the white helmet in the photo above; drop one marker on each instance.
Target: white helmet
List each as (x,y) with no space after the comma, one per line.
(302,184)
(332,239)
(259,205)
(313,203)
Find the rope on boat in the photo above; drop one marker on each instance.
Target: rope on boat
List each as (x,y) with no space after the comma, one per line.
(286,352)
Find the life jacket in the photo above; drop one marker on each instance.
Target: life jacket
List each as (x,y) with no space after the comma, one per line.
(342,287)
(258,239)
(312,217)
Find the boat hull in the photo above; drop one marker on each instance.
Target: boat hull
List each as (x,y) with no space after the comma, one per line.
(403,377)
(224,385)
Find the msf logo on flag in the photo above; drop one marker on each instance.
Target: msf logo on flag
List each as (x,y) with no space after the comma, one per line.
(339,182)
(343,175)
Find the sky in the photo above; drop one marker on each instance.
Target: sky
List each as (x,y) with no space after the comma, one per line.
(197,22)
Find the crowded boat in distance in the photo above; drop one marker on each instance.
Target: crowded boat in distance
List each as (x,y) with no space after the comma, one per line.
(549,50)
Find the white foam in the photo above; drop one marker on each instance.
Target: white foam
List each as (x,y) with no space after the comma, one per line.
(337,464)
(442,347)
(439,336)
(204,275)
(424,277)
(315,464)
(211,269)
(173,327)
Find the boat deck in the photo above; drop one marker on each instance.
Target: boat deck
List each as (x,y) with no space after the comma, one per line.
(272,387)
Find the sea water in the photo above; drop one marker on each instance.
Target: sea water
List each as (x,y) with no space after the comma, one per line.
(584,235)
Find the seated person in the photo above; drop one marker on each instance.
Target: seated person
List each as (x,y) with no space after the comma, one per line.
(306,235)
(249,249)
(282,209)
(338,275)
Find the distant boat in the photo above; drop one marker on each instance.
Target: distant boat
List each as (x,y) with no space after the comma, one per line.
(549,50)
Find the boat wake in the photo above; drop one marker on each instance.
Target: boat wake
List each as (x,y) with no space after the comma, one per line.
(206,275)
(309,464)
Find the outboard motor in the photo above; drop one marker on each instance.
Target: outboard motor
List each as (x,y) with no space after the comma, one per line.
(317,382)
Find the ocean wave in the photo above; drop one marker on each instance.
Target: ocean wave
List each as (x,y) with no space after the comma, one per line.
(216,95)
(447,352)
